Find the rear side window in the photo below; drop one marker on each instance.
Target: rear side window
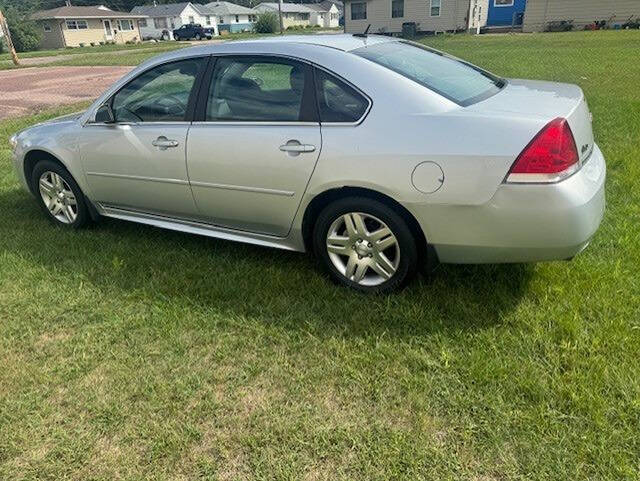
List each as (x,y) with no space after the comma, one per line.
(454,79)
(337,101)
(258,89)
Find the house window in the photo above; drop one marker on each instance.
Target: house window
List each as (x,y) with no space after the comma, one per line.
(358,11)
(125,25)
(208,19)
(435,8)
(192,20)
(46,27)
(160,22)
(503,3)
(142,23)
(397,8)
(237,19)
(221,20)
(77,24)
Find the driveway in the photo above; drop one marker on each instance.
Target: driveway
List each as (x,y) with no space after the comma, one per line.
(27,90)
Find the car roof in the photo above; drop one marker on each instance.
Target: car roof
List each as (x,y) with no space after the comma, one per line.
(344,42)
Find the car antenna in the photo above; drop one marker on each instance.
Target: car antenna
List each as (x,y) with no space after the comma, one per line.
(363,34)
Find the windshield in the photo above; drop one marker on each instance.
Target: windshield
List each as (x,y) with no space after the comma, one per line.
(459,81)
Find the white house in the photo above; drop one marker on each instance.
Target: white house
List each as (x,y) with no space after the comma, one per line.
(325,14)
(231,17)
(163,19)
(388,16)
(293,14)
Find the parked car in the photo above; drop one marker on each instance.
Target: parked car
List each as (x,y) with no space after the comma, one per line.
(193,31)
(377,154)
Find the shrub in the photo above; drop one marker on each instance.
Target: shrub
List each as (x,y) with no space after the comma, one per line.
(25,34)
(267,23)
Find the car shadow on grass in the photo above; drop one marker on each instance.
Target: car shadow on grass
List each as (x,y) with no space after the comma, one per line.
(238,281)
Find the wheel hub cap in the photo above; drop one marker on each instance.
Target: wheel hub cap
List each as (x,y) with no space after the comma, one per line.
(363,248)
(58,197)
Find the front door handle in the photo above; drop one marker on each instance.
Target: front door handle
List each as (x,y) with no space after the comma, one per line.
(163,143)
(293,147)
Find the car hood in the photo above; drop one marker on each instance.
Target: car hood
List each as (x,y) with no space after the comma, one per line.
(66,118)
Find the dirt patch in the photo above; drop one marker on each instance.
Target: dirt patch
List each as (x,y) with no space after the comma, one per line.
(23,91)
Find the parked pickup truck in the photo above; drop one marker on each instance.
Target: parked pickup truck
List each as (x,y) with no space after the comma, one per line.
(193,30)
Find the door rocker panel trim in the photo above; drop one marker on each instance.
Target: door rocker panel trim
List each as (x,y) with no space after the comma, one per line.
(199,228)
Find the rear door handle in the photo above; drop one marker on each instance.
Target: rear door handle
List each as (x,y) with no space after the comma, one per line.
(294,147)
(163,143)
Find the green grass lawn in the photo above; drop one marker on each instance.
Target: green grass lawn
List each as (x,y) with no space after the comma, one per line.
(83,50)
(130,352)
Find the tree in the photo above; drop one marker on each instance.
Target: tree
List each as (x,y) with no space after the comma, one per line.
(24,34)
(267,23)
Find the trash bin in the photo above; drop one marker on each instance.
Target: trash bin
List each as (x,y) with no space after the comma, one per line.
(409,29)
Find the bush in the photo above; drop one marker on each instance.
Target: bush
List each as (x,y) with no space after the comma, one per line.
(25,34)
(267,23)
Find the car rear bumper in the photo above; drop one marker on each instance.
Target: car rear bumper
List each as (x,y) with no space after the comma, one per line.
(525,223)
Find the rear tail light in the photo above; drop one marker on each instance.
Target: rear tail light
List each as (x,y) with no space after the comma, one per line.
(551,156)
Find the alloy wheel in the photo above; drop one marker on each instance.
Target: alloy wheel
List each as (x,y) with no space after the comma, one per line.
(58,197)
(363,248)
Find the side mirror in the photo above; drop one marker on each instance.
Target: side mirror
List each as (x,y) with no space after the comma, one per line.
(104,115)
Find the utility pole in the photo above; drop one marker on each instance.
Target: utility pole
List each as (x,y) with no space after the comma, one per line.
(7,35)
(280,15)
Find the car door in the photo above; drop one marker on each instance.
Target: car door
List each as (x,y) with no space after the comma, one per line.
(137,159)
(255,142)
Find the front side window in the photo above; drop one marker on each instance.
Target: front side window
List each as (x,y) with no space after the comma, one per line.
(503,3)
(397,8)
(158,95)
(452,78)
(254,89)
(358,10)
(435,8)
(337,101)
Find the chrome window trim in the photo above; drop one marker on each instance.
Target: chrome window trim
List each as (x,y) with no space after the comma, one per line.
(109,99)
(312,64)
(255,123)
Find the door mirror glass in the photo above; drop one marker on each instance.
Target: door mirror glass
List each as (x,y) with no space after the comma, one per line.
(104,115)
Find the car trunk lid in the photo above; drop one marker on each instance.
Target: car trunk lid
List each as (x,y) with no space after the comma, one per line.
(546,101)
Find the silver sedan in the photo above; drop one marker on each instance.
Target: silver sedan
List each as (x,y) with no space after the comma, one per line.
(377,154)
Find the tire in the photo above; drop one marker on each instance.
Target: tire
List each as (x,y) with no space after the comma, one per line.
(375,261)
(69,210)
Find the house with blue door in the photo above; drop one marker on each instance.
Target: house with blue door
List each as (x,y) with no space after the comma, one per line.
(506,13)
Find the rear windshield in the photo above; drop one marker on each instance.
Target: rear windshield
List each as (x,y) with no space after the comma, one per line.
(461,82)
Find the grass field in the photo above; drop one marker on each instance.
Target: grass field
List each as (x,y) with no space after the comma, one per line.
(129,352)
